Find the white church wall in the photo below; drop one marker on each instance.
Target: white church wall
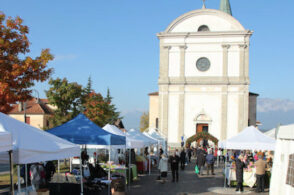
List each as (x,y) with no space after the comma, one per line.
(213,22)
(212,52)
(174,62)
(173,118)
(197,102)
(233,61)
(232,113)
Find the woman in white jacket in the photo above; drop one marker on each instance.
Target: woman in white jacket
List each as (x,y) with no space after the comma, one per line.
(163,167)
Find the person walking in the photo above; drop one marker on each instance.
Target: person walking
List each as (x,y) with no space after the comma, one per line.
(174,164)
(210,162)
(163,167)
(260,173)
(183,159)
(189,154)
(200,161)
(240,165)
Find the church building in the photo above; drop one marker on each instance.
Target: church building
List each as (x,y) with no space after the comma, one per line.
(203,77)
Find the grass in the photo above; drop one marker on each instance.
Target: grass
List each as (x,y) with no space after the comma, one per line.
(5,179)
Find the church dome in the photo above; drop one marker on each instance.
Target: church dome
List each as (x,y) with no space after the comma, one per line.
(204,20)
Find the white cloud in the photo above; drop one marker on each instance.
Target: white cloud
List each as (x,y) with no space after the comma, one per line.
(65,57)
(268,104)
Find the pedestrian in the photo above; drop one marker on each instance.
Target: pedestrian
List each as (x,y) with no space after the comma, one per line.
(240,165)
(260,173)
(210,162)
(37,176)
(189,154)
(200,161)
(174,164)
(183,158)
(163,167)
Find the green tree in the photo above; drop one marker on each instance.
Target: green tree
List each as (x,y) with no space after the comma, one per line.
(144,121)
(99,110)
(18,72)
(88,88)
(67,97)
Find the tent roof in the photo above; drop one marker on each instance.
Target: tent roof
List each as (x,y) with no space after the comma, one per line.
(140,136)
(271,133)
(286,132)
(250,139)
(81,130)
(5,140)
(34,145)
(131,141)
(154,134)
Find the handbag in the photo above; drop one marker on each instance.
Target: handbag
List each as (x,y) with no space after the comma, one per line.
(196,169)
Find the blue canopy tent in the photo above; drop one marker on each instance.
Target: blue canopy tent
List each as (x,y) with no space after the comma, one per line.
(81,130)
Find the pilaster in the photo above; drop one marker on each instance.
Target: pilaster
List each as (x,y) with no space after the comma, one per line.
(224,113)
(225,60)
(247,60)
(181,113)
(182,63)
(242,48)
(164,63)
(163,110)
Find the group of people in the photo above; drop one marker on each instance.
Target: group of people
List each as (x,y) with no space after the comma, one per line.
(260,164)
(177,159)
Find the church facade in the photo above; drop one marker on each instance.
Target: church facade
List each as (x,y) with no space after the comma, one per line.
(203,77)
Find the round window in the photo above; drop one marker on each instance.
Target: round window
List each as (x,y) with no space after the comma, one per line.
(203,64)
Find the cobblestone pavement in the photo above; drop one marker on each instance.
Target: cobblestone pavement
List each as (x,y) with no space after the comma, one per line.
(189,184)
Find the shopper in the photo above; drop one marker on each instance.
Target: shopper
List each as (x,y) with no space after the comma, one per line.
(174,162)
(210,162)
(260,173)
(183,159)
(200,161)
(240,165)
(163,167)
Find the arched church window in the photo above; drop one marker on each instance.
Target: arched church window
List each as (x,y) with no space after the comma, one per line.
(203,28)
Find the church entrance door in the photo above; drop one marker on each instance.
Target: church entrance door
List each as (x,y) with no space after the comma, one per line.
(202,128)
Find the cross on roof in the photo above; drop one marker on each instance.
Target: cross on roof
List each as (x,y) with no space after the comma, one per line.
(203,7)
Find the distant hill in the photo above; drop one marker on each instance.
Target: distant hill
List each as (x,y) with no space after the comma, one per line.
(270,112)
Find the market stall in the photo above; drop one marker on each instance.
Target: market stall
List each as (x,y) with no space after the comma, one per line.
(83,131)
(31,145)
(248,139)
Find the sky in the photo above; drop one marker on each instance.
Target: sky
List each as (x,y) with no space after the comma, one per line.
(115,42)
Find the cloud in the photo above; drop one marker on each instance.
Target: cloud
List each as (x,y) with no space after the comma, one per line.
(65,57)
(268,105)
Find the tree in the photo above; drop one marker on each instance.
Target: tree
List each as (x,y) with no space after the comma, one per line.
(99,110)
(88,88)
(17,73)
(113,110)
(144,121)
(67,97)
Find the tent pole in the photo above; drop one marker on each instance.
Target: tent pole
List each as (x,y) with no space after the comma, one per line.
(130,168)
(18,179)
(109,167)
(11,172)
(225,169)
(149,160)
(81,175)
(70,164)
(26,176)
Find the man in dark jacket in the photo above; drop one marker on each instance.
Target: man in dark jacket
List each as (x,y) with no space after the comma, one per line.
(240,165)
(183,158)
(210,162)
(200,161)
(174,164)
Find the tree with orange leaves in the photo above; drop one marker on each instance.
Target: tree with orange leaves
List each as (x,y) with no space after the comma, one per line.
(18,74)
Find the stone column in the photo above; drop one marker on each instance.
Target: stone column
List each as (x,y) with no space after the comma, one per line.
(182,63)
(225,60)
(224,113)
(242,48)
(163,64)
(181,122)
(163,110)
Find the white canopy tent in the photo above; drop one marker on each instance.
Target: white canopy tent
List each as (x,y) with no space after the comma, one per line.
(5,140)
(282,163)
(271,133)
(155,135)
(140,136)
(34,145)
(249,139)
